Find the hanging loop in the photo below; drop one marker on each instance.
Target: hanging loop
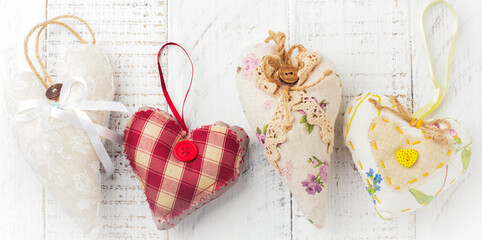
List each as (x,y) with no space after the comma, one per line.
(179,118)
(46,79)
(439,91)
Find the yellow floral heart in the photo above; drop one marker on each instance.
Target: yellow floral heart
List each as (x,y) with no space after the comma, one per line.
(407,157)
(431,168)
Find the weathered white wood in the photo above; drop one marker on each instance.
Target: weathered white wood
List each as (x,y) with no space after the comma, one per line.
(215,33)
(453,214)
(375,44)
(130,32)
(369,43)
(21,195)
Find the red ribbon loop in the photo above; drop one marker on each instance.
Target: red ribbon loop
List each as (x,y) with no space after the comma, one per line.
(179,118)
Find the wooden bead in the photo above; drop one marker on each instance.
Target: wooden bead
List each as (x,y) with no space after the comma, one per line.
(288,73)
(53,92)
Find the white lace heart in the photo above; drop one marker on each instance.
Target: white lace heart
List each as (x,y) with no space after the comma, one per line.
(61,154)
(374,138)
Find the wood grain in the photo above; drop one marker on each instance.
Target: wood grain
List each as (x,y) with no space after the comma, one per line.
(22,202)
(131,32)
(451,215)
(258,207)
(372,54)
(375,45)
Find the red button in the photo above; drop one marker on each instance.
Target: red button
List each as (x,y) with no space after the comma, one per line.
(185,151)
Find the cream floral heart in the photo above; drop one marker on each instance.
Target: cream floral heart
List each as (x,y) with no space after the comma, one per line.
(59,153)
(403,166)
(302,154)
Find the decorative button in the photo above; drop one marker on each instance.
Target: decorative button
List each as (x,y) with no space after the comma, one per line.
(288,73)
(185,151)
(53,92)
(407,157)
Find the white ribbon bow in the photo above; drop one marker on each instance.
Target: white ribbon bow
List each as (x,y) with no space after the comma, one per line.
(31,109)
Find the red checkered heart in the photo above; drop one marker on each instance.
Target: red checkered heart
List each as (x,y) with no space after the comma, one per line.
(175,188)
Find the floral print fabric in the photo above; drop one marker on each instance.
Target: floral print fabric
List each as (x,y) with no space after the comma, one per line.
(315,183)
(307,181)
(374,179)
(249,64)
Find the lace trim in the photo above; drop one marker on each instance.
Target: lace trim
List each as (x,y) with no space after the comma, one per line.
(291,99)
(309,60)
(317,116)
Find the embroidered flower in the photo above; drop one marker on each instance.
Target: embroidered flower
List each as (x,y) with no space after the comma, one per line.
(324,172)
(268,105)
(261,138)
(261,134)
(374,180)
(457,140)
(249,64)
(453,133)
(314,164)
(312,187)
(287,171)
(311,178)
(378,178)
(314,184)
(466,149)
(323,105)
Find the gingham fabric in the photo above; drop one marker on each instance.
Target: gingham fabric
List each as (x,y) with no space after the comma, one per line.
(172,186)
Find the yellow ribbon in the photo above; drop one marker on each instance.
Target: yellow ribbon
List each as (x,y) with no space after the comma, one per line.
(440,91)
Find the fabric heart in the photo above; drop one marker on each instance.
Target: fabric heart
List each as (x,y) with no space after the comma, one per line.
(405,163)
(174,187)
(59,153)
(295,127)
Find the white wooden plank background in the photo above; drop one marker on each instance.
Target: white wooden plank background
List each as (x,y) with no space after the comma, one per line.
(375,44)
